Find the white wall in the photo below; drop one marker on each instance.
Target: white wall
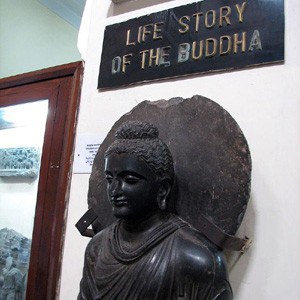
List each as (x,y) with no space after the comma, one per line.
(265,102)
(32,38)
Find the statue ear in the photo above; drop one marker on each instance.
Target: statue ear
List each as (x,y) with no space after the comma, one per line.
(163,193)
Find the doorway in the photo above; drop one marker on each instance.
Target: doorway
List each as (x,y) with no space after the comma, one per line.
(58,89)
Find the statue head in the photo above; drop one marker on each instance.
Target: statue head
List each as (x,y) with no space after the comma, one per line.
(139,170)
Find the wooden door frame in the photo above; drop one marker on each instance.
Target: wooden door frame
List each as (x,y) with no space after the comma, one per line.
(61,85)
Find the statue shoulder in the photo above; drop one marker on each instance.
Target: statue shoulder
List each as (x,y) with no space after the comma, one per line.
(98,241)
(197,255)
(198,261)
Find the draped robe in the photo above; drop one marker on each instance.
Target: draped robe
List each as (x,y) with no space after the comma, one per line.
(174,262)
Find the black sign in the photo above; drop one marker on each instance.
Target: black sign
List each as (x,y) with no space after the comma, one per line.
(201,37)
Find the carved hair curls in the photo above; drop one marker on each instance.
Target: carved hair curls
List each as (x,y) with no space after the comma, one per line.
(141,139)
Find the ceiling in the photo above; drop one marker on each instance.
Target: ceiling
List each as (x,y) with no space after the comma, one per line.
(70,10)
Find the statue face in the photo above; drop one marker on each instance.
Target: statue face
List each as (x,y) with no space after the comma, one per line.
(131,187)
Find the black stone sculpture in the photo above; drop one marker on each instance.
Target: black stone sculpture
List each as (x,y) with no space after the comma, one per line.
(154,236)
(148,253)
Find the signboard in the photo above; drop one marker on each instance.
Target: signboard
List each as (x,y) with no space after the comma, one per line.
(201,37)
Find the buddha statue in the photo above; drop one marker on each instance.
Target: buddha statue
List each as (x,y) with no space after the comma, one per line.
(148,253)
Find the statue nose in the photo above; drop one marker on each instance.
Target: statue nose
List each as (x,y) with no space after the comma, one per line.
(115,188)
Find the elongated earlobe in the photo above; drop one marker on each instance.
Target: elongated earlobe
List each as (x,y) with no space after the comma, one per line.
(163,193)
(162,204)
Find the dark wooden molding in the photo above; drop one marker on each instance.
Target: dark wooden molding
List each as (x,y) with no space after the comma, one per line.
(37,76)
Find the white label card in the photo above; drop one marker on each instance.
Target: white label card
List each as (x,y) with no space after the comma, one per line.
(87,146)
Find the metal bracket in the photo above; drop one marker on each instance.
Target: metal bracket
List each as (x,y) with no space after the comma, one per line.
(85,221)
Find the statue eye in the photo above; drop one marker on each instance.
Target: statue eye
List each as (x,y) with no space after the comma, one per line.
(131,179)
(108,178)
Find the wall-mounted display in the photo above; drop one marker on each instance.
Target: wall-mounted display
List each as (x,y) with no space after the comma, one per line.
(22,162)
(201,37)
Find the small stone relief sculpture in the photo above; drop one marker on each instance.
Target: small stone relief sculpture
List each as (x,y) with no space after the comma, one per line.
(14,262)
(24,162)
(12,279)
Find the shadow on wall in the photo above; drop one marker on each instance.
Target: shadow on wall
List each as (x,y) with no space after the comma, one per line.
(238,262)
(127,6)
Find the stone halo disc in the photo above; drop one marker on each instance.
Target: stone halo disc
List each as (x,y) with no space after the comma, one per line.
(211,159)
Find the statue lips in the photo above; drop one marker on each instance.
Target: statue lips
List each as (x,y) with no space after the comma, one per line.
(119,202)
